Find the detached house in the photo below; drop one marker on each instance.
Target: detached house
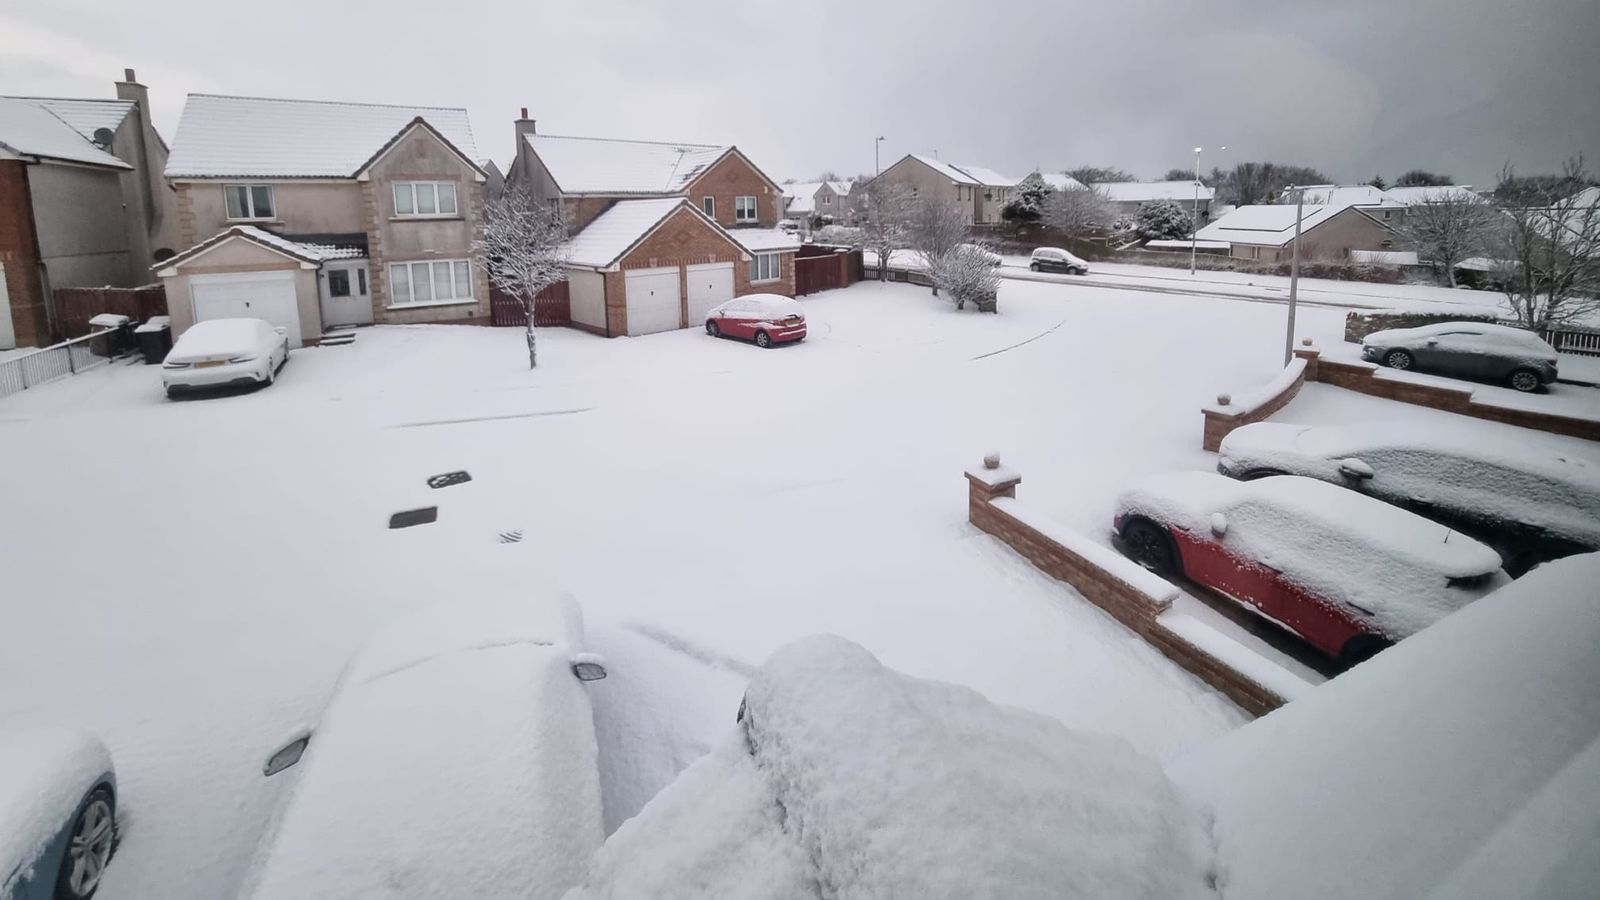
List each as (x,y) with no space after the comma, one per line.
(809,200)
(1266,233)
(313,214)
(660,232)
(979,193)
(1125,197)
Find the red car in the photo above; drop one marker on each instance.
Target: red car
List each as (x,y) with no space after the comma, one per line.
(766,319)
(1349,574)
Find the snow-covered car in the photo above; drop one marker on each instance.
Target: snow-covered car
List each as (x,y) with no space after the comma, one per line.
(766,319)
(225,353)
(1349,574)
(58,814)
(788,225)
(988,255)
(846,779)
(1531,500)
(1055,259)
(456,759)
(1472,350)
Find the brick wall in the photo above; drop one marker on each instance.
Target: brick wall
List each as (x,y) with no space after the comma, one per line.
(19,253)
(1226,416)
(733,177)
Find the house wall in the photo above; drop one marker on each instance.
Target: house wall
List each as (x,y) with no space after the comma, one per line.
(925,182)
(419,156)
(240,255)
(299,207)
(18,255)
(77,215)
(989,203)
(151,206)
(732,177)
(829,202)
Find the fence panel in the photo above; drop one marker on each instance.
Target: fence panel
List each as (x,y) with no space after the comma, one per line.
(49,363)
(551,306)
(76,306)
(1582,343)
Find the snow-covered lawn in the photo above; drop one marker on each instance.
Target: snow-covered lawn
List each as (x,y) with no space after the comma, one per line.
(187,579)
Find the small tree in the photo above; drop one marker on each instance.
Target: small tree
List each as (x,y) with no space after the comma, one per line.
(1423,178)
(1547,248)
(1079,211)
(883,211)
(524,247)
(1378,182)
(1445,230)
(935,228)
(1029,203)
(1163,220)
(967,274)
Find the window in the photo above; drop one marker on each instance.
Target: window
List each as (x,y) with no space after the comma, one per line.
(249,201)
(424,198)
(709,205)
(441,281)
(744,209)
(827,199)
(766,267)
(338,282)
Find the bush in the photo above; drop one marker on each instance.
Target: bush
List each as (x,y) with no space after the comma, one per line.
(1163,220)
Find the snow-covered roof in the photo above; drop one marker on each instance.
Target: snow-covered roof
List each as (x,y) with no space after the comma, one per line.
(842,188)
(583,165)
(1165,244)
(1061,181)
(1270,224)
(801,197)
(1425,193)
(945,169)
(222,136)
(1340,195)
(766,240)
(1145,191)
(47,772)
(85,116)
(29,129)
(1384,257)
(614,232)
(1461,763)
(308,252)
(987,177)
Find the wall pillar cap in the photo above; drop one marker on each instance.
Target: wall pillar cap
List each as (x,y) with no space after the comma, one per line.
(996,478)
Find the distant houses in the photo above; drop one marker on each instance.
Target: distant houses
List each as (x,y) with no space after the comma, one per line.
(979,193)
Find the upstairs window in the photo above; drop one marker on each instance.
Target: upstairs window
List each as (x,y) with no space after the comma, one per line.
(744,209)
(249,201)
(708,205)
(424,198)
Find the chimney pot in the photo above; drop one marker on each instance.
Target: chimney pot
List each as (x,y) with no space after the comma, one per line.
(524,112)
(127,75)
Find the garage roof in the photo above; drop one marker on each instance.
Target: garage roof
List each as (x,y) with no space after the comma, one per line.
(312,254)
(624,226)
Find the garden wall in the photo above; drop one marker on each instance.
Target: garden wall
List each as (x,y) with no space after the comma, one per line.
(1360,323)
(1230,413)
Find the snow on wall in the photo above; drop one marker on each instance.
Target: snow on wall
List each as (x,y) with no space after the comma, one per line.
(1458,764)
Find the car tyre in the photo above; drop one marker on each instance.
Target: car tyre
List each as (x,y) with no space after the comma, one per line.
(1150,545)
(1033,266)
(92,839)
(763,340)
(1524,380)
(1361,648)
(712,329)
(1398,359)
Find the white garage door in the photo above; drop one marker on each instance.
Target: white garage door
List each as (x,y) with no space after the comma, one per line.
(653,300)
(709,285)
(253,295)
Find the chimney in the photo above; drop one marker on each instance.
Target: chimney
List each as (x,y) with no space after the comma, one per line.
(525,125)
(128,76)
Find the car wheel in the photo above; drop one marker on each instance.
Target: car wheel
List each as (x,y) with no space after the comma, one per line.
(712,329)
(1033,266)
(89,846)
(1397,359)
(763,340)
(1361,648)
(1149,545)
(1524,380)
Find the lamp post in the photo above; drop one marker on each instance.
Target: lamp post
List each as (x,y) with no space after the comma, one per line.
(1194,224)
(1294,273)
(877,167)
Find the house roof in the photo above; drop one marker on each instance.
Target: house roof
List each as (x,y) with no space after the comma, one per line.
(1346,195)
(582,165)
(1145,191)
(624,226)
(987,177)
(801,196)
(222,136)
(1060,180)
(945,169)
(1270,225)
(766,240)
(28,129)
(1426,193)
(841,188)
(305,252)
(85,116)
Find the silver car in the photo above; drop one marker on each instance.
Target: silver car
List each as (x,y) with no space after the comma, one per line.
(1473,350)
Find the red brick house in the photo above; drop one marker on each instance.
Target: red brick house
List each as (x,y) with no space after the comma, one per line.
(661,232)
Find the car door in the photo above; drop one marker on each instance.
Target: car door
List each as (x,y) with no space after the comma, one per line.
(1456,353)
(1223,563)
(736,321)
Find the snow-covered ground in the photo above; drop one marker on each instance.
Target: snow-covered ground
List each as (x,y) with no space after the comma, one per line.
(187,579)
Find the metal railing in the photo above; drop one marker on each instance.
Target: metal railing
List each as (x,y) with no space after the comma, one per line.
(1585,343)
(27,370)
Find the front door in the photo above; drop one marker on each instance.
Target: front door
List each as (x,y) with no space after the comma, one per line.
(346,294)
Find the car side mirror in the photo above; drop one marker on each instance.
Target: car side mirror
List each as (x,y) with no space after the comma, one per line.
(1219,524)
(282,331)
(1355,468)
(589,666)
(1433,342)
(288,755)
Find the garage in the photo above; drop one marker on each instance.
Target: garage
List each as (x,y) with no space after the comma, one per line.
(257,295)
(586,298)
(709,285)
(654,301)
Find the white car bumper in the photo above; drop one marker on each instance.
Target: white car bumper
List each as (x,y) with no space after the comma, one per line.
(241,373)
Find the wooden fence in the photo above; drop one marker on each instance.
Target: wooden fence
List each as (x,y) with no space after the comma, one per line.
(1583,343)
(76,306)
(551,306)
(824,269)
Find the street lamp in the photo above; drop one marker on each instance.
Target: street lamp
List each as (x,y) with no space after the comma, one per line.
(1194,226)
(877,166)
(1294,272)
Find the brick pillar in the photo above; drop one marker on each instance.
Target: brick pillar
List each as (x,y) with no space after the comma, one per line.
(986,482)
(1310,354)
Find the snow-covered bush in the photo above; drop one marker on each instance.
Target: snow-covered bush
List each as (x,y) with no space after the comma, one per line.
(1033,195)
(1163,220)
(841,235)
(967,274)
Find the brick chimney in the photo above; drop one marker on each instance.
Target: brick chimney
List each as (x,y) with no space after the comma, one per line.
(525,125)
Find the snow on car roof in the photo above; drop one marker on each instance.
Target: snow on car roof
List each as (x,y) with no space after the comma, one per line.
(470,770)
(29,129)
(768,305)
(44,773)
(547,619)
(855,781)
(218,337)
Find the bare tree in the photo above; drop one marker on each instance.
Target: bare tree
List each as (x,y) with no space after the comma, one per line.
(524,247)
(966,273)
(935,228)
(883,211)
(1548,249)
(1097,174)
(1446,229)
(1078,211)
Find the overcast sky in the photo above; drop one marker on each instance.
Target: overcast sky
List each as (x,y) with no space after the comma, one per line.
(1353,87)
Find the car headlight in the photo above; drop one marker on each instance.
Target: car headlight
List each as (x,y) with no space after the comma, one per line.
(244,359)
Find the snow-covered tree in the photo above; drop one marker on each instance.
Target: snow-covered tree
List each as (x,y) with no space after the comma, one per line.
(1547,247)
(1098,174)
(966,273)
(1078,211)
(1423,178)
(883,211)
(1163,220)
(1446,229)
(935,228)
(1029,203)
(524,248)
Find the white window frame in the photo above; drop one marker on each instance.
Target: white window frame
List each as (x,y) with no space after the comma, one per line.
(250,203)
(740,214)
(771,262)
(453,268)
(415,188)
(708,205)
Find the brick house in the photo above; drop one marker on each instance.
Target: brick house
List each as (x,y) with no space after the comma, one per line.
(979,193)
(661,232)
(82,203)
(813,200)
(314,215)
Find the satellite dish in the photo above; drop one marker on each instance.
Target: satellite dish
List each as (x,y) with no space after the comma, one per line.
(103,136)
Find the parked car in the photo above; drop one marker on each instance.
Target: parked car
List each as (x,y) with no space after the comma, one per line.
(1055,259)
(58,814)
(1349,574)
(1474,350)
(225,353)
(766,319)
(1531,499)
(993,257)
(456,759)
